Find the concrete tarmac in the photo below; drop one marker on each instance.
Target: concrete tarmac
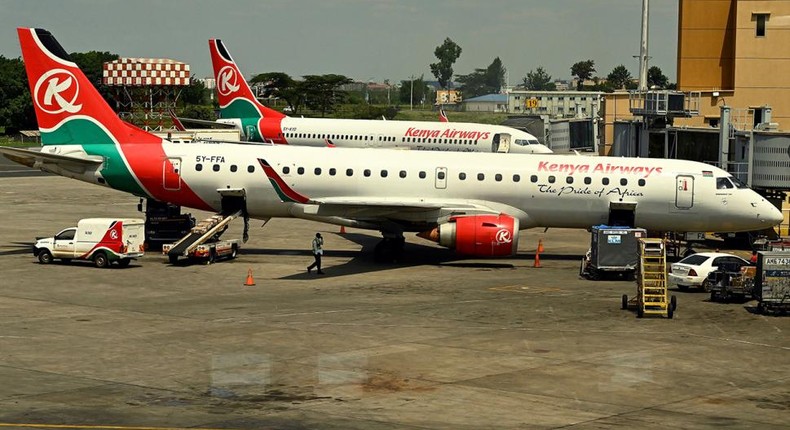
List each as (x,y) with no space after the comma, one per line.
(432,342)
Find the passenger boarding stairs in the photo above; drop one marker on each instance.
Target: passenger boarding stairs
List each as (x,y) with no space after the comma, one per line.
(209,229)
(652,295)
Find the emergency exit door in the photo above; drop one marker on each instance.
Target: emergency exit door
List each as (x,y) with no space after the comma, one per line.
(684,191)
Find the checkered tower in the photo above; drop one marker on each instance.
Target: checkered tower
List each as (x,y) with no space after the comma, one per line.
(146,89)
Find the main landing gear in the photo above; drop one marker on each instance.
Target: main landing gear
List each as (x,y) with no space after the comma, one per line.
(390,249)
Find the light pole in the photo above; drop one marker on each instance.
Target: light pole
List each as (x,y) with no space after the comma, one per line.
(411,93)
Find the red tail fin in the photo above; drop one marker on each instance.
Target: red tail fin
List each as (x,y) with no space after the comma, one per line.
(236,99)
(61,92)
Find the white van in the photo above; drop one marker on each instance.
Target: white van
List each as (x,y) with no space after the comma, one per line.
(102,240)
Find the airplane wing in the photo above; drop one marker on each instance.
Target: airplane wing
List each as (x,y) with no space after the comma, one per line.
(40,160)
(374,208)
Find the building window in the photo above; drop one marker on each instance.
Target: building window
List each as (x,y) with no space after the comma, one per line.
(760,19)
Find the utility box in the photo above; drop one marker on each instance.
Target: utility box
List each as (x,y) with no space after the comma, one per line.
(613,249)
(772,281)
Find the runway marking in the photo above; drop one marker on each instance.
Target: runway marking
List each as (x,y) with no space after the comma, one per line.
(523,289)
(70,426)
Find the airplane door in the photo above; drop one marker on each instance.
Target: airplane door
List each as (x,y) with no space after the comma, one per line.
(172,174)
(441,178)
(684,191)
(504,143)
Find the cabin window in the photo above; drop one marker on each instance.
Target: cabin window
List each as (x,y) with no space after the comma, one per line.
(286,170)
(533,178)
(569,179)
(233,168)
(366,172)
(422,174)
(481,176)
(462,176)
(332,171)
(300,170)
(349,172)
(317,171)
(383,173)
(605,181)
(516,178)
(723,184)
(250,168)
(402,174)
(641,182)
(198,167)
(552,179)
(587,180)
(623,181)
(498,177)
(439,175)
(215,167)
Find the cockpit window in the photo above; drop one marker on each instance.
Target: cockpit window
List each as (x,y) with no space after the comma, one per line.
(738,183)
(525,142)
(723,184)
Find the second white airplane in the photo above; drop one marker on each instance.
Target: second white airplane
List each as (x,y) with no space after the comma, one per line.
(258,123)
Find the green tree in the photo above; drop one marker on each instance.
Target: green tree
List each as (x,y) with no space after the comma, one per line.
(655,77)
(583,70)
(280,85)
(619,77)
(16,107)
(484,81)
(321,92)
(413,91)
(539,80)
(447,53)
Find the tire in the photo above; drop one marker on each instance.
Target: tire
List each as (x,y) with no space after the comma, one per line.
(624,302)
(639,311)
(124,262)
(670,312)
(234,252)
(705,286)
(212,257)
(173,259)
(673,303)
(45,257)
(100,260)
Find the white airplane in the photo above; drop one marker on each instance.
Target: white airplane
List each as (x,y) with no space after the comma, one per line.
(474,203)
(240,108)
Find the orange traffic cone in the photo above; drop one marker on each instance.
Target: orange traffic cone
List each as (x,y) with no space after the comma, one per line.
(537,253)
(540,245)
(342,229)
(249,282)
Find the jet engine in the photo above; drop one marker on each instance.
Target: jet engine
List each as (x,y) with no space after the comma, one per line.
(478,235)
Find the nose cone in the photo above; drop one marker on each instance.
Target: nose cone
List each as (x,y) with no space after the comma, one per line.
(540,149)
(770,214)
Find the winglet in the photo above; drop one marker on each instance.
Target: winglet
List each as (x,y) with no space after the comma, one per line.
(176,121)
(286,193)
(236,99)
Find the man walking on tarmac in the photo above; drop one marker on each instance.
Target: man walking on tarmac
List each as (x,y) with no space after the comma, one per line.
(318,250)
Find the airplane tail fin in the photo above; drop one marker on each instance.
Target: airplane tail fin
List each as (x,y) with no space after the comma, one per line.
(443,115)
(236,99)
(68,108)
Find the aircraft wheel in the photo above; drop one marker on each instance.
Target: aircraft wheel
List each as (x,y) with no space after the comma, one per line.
(45,257)
(673,302)
(624,303)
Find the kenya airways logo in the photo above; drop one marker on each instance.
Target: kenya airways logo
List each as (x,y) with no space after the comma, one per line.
(56,91)
(228,81)
(504,236)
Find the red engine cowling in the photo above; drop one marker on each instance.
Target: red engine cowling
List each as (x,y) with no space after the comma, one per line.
(481,235)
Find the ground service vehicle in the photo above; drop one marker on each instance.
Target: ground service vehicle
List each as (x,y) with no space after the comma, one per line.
(203,241)
(101,240)
(693,270)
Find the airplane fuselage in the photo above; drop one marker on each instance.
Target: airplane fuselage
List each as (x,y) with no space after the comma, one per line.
(541,191)
(419,135)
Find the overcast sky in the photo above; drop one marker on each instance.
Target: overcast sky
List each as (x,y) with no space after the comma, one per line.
(362,39)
